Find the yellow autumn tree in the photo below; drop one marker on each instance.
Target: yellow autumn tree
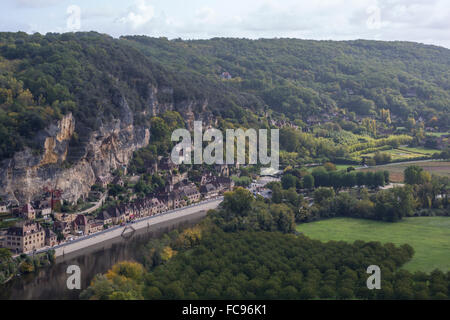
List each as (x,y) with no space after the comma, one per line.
(167,253)
(189,237)
(126,269)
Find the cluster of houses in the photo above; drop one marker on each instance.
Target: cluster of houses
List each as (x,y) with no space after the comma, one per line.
(29,235)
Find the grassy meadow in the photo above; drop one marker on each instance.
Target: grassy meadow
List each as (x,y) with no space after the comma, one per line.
(429,236)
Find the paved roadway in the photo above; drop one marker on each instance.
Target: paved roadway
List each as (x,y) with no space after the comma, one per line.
(116,231)
(97,205)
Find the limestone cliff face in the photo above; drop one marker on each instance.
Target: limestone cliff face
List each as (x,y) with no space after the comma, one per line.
(24,177)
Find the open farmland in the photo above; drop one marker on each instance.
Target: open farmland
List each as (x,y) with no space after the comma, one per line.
(404,153)
(440,168)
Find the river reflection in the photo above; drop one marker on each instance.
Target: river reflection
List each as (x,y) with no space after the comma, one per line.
(50,283)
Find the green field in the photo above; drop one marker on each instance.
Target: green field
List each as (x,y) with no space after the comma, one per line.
(406,153)
(419,150)
(438,134)
(429,236)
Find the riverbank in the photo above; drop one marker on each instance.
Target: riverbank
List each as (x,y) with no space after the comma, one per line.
(118,231)
(50,282)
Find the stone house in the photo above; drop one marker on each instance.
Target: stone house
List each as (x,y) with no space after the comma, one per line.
(95,226)
(119,181)
(173,200)
(209,190)
(191,193)
(4,207)
(65,217)
(44,209)
(117,214)
(80,225)
(223,184)
(25,236)
(27,212)
(104,218)
(50,238)
(63,227)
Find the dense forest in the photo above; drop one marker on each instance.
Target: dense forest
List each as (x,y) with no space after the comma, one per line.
(265,265)
(300,78)
(45,76)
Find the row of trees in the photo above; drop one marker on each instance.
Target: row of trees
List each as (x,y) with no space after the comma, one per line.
(422,192)
(388,205)
(320,177)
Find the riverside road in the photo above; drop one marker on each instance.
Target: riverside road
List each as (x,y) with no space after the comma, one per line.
(116,231)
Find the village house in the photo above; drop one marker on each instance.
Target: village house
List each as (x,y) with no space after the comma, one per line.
(118,181)
(117,214)
(50,238)
(204,179)
(95,226)
(102,181)
(43,209)
(223,184)
(191,193)
(159,206)
(25,236)
(65,217)
(63,227)
(27,212)
(150,207)
(173,200)
(4,207)
(104,218)
(209,190)
(80,225)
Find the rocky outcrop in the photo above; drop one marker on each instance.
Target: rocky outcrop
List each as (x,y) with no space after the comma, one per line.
(75,168)
(24,177)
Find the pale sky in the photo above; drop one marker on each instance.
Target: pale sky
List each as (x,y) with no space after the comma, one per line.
(425,21)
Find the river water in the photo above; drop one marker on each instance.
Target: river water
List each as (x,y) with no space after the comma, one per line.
(50,283)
